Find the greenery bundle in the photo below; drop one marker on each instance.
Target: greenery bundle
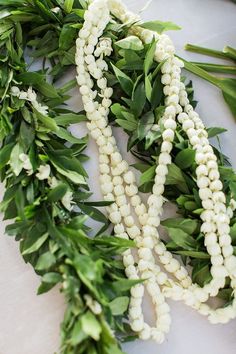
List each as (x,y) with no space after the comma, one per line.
(41,163)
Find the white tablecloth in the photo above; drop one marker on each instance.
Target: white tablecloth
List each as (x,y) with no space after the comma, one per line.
(29,324)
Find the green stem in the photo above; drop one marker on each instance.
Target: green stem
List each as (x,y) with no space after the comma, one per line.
(207,51)
(216,68)
(201,73)
(231,52)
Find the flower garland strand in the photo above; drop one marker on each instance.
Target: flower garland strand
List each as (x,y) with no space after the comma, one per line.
(118,182)
(199,141)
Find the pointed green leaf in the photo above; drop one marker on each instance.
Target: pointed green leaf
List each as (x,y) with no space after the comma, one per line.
(68,5)
(185,158)
(160,26)
(5,153)
(148,88)
(130,42)
(15,162)
(148,61)
(36,245)
(119,305)
(91,326)
(145,124)
(45,261)
(69,118)
(186,225)
(182,239)
(48,122)
(57,193)
(148,175)
(124,80)
(213,131)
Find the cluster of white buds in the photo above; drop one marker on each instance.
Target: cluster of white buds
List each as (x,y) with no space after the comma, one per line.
(27,165)
(43,172)
(31,96)
(118,182)
(94,306)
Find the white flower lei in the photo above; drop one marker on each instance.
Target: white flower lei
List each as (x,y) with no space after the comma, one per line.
(118,182)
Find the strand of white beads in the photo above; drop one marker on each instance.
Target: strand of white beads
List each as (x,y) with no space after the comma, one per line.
(191,300)
(155,201)
(215,217)
(151,220)
(112,182)
(194,295)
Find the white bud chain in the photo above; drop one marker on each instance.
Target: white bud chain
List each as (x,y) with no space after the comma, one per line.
(118,182)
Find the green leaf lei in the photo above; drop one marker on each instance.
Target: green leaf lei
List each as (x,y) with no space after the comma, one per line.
(54,238)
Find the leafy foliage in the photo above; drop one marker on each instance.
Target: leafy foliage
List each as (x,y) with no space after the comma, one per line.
(140,114)
(56,241)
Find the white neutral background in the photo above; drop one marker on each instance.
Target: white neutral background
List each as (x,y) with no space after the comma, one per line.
(29,324)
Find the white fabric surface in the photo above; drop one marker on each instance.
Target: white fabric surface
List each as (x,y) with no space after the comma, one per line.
(29,324)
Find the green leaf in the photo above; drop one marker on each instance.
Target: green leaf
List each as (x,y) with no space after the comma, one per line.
(233,233)
(159,111)
(114,242)
(78,334)
(148,175)
(232,186)
(38,81)
(127,125)
(49,280)
(151,137)
(69,118)
(86,268)
(57,193)
(185,158)
(124,80)
(142,167)
(67,136)
(91,326)
(230,100)
(20,202)
(48,122)
(36,245)
(157,92)
(93,212)
(27,135)
(69,167)
(213,131)
(68,5)
(45,261)
(138,99)
(125,284)
(145,124)
(160,26)
(176,177)
(182,239)
(148,88)
(194,254)
(148,61)
(8,196)
(119,305)
(66,38)
(201,273)
(5,153)
(187,225)
(15,162)
(130,42)
(117,109)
